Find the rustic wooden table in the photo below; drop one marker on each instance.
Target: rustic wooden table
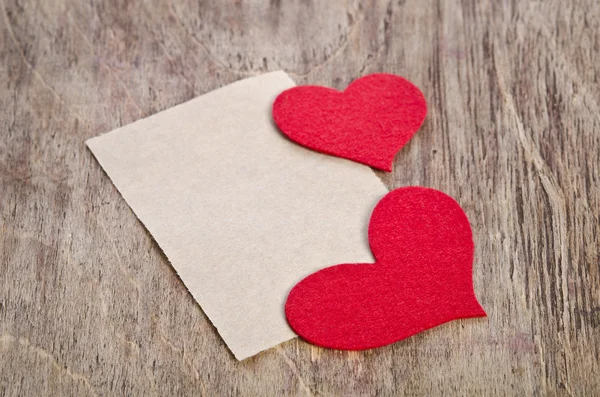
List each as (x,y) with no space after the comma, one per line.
(90,306)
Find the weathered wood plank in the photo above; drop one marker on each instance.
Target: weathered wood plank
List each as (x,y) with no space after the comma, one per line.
(90,306)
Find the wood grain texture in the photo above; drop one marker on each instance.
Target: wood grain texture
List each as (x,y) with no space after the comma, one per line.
(90,306)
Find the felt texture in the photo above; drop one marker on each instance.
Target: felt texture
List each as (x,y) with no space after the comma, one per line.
(241,212)
(422,277)
(369,122)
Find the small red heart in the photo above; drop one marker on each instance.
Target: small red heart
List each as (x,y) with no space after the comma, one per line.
(422,277)
(369,122)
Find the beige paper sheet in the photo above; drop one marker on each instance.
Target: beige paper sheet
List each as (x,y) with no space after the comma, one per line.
(241,212)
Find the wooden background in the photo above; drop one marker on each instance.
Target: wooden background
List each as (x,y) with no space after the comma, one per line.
(90,306)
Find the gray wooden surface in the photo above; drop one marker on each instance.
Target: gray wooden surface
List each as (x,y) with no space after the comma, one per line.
(90,306)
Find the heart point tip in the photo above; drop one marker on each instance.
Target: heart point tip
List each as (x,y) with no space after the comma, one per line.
(479,311)
(387,167)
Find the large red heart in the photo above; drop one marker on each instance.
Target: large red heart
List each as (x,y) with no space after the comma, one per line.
(369,122)
(422,277)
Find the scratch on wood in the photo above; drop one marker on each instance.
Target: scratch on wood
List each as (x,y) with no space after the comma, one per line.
(6,340)
(37,75)
(294,370)
(106,66)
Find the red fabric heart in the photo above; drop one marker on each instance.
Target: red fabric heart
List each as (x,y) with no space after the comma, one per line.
(369,122)
(422,277)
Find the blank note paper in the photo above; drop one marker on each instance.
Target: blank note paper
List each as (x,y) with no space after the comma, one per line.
(241,212)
